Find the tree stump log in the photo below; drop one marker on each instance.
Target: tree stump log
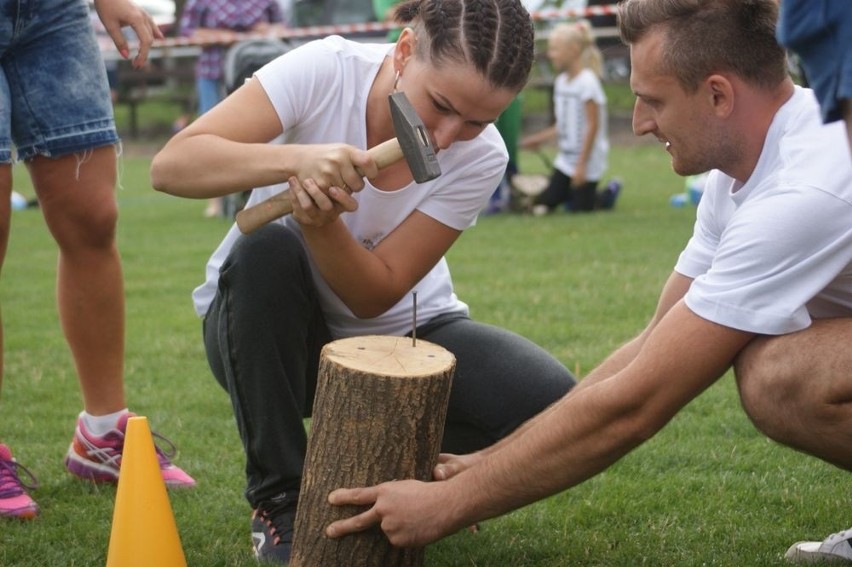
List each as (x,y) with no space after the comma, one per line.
(379,413)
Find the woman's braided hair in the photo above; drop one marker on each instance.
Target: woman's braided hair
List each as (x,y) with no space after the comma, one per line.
(495,36)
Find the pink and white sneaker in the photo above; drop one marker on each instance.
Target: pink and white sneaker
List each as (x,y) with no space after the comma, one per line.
(99,458)
(14,500)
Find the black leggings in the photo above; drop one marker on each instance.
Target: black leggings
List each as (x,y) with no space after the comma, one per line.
(561,190)
(263,334)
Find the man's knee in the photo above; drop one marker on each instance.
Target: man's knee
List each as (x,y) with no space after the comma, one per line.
(767,382)
(797,381)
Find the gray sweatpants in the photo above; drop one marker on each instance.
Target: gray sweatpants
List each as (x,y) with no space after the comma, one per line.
(264,332)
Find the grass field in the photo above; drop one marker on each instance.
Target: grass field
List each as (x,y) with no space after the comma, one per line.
(708,490)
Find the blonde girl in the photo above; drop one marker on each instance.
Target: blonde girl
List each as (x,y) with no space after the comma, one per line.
(580,125)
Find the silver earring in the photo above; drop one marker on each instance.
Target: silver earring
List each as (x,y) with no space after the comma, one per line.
(395,81)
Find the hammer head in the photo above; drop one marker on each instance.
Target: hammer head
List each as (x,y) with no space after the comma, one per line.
(413,139)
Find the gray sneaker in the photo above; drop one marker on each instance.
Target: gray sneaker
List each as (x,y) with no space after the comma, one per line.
(836,548)
(272,528)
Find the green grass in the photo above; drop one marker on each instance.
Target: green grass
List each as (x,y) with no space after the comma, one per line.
(708,490)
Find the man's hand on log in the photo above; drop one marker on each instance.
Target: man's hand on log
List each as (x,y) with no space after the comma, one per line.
(450,465)
(411,513)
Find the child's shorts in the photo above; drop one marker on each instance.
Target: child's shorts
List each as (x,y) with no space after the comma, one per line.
(54,95)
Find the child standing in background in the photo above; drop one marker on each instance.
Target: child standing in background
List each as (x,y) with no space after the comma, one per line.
(580,124)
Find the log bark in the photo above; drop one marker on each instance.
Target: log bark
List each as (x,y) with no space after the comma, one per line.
(379,413)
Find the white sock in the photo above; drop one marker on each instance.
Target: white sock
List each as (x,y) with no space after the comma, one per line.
(100,425)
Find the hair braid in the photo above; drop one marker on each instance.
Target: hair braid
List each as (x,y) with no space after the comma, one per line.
(441,21)
(495,36)
(481,23)
(516,48)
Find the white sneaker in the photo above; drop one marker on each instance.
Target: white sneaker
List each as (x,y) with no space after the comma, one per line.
(835,548)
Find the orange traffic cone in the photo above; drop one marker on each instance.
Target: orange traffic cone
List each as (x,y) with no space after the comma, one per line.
(144,532)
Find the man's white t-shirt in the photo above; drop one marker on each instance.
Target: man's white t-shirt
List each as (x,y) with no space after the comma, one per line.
(319,91)
(770,255)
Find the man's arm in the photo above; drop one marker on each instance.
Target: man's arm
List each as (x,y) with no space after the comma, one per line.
(578,437)
(674,289)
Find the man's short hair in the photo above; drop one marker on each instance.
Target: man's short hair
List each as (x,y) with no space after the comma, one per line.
(702,37)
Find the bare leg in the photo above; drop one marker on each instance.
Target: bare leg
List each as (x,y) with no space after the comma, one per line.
(5,220)
(14,502)
(77,195)
(797,388)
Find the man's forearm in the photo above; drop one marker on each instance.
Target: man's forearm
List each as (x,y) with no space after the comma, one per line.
(613,364)
(674,289)
(541,461)
(609,367)
(595,425)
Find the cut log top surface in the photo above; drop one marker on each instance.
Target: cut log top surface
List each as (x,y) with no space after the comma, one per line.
(391,356)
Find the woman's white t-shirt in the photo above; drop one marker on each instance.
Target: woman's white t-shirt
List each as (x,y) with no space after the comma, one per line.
(319,91)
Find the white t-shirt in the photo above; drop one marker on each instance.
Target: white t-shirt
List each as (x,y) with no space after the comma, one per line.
(320,93)
(569,105)
(772,254)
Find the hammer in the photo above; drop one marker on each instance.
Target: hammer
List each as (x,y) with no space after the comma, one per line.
(411,142)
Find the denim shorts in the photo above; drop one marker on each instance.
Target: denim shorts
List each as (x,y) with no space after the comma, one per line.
(54,95)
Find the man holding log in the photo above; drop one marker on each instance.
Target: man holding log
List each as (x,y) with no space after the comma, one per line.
(764,286)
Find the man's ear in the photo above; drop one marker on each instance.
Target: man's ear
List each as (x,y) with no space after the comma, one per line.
(720,90)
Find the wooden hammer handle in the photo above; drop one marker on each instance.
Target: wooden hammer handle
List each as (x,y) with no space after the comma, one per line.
(277,206)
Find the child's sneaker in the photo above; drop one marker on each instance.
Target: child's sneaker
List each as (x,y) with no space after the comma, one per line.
(609,194)
(836,548)
(14,500)
(99,458)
